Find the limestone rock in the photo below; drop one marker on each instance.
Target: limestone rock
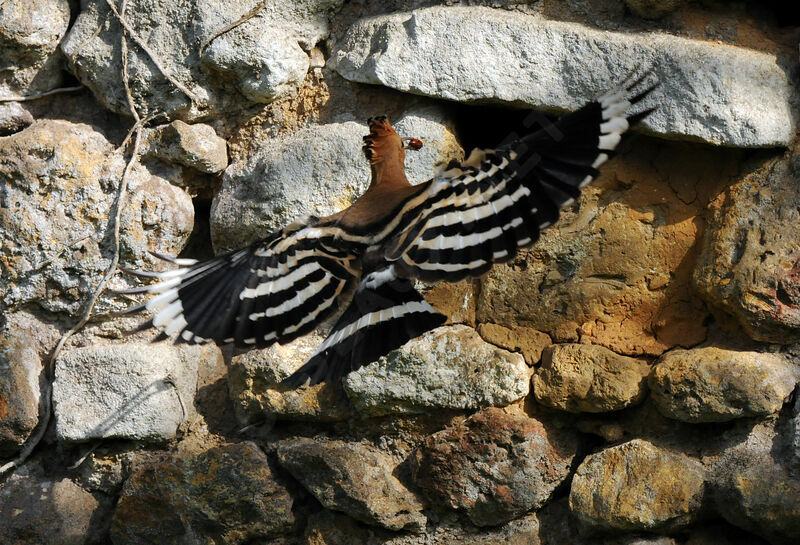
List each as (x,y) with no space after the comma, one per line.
(494,466)
(58,184)
(456,300)
(353,478)
(749,265)
(449,367)
(754,486)
(527,341)
(37,509)
(13,118)
(120,390)
(315,171)
(318,170)
(228,492)
(30,31)
(256,61)
(20,368)
(440,146)
(637,486)
(501,56)
(253,385)
(195,146)
(106,469)
(714,385)
(587,378)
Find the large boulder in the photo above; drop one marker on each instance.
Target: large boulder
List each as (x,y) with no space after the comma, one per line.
(715,385)
(354,478)
(448,368)
(129,391)
(481,54)
(37,508)
(637,486)
(749,266)
(59,184)
(228,492)
(494,466)
(30,31)
(254,62)
(586,378)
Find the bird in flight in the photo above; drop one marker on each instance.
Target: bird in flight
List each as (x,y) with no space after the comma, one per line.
(366,257)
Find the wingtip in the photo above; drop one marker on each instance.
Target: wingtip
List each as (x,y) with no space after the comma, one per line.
(295,381)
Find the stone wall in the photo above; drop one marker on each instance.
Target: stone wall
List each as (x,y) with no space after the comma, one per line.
(628,380)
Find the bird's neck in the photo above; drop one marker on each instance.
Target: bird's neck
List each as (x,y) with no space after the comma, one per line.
(388,174)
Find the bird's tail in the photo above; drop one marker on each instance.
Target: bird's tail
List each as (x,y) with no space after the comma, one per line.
(385,313)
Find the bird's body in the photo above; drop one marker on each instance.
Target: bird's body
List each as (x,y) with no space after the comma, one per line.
(456,225)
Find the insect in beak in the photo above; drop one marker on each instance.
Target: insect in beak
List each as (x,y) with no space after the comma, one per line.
(412,143)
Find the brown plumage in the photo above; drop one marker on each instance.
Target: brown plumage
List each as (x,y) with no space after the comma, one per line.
(388,187)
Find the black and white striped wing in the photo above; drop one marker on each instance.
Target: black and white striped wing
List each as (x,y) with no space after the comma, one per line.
(385,313)
(272,291)
(498,200)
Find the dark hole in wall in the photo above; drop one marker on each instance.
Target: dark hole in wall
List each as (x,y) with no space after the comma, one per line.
(487,126)
(199,244)
(782,13)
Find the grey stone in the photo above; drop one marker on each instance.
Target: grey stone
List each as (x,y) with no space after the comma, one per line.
(754,487)
(253,386)
(494,466)
(449,367)
(440,146)
(749,262)
(37,509)
(227,495)
(30,31)
(58,187)
(195,146)
(637,486)
(256,61)
(353,478)
(589,378)
(315,171)
(119,391)
(482,54)
(105,469)
(13,118)
(715,385)
(318,170)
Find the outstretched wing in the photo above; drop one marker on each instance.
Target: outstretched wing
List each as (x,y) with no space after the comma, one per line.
(497,201)
(271,291)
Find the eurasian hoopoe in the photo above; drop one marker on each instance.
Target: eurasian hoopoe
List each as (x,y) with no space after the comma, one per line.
(457,224)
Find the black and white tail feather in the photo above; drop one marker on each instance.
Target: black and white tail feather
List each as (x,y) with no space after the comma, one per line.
(465,220)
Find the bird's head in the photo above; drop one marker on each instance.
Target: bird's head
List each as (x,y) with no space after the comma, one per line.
(385,151)
(384,144)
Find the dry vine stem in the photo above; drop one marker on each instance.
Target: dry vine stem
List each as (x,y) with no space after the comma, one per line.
(46,408)
(36,96)
(138,41)
(246,17)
